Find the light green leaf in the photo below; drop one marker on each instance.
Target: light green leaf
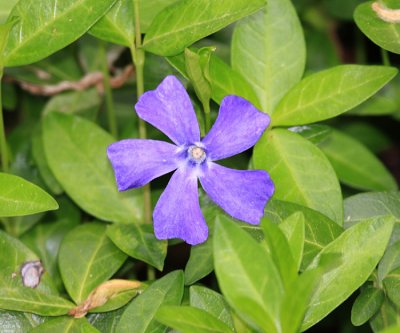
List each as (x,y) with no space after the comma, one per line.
(387,317)
(65,325)
(76,152)
(390,260)
(212,302)
(187,21)
(355,165)
(19,322)
(139,242)
(139,315)
(186,319)
(19,197)
(391,329)
(118,25)
(237,254)
(223,79)
(268,49)
(328,93)
(392,286)
(293,228)
(5,9)
(46,27)
(360,248)
(366,205)
(314,133)
(383,33)
(98,260)
(149,9)
(42,300)
(366,305)
(301,172)
(319,230)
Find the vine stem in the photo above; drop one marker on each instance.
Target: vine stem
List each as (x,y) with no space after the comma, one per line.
(138,57)
(3,142)
(111,117)
(385,57)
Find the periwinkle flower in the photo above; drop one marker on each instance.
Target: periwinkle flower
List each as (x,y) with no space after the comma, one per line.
(240,193)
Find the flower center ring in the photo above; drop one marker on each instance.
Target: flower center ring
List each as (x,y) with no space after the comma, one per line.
(196,154)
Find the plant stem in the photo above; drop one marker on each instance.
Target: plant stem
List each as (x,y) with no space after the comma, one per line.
(3,142)
(112,119)
(207,119)
(385,57)
(138,56)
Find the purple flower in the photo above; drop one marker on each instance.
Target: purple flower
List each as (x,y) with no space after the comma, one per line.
(241,193)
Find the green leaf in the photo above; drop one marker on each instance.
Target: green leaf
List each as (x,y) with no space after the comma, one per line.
(118,25)
(186,319)
(390,260)
(5,9)
(65,325)
(46,27)
(280,252)
(42,300)
(212,302)
(19,197)
(139,242)
(139,315)
(314,133)
(237,254)
(45,239)
(319,230)
(188,21)
(107,321)
(360,248)
(268,49)
(223,79)
(301,172)
(19,322)
(355,165)
(392,286)
(366,305)
(98,260)
(387,316)
(366,205)
(5,30)
(328,93)
(391,329)
(293,228)
(76,152)
(385,34)
(149,9)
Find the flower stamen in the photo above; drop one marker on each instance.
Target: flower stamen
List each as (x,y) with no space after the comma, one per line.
(196,154)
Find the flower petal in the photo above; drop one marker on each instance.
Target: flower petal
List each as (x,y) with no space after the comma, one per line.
(238,127)
(170,110)
(177,213)
(243,194)
(136,162)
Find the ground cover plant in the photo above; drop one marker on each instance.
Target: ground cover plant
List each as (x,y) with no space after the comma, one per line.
(199,166)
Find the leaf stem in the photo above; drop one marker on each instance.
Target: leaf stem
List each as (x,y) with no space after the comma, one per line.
(385,57)
(138,56)
(207,119)
(3,142)
(112,119)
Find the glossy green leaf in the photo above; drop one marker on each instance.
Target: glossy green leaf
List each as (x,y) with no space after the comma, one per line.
(5,9)
(301,172)
(187,21)
(392,286)
(319,230)
(18,322)
(118,25)
(117,301)
(46,27)
(391,329)
(42,300)
(149,9)
(139,242)
(268,49)
(5,30)
(186,319)
(355,165)
(390,260)
(366,205)
(366,305)
(280,252)
(139,316)
(19,197)
(314,133)
(293,228)
(237,254)
(383,33)
(98,260)
(76,152)
(211,302)
(107,321)
(223,79)
(360,248)
(65,325)
(45,239)
(387,317)
(40,158)
(329,93)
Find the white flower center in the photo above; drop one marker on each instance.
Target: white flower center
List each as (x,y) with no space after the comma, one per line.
(196,154)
